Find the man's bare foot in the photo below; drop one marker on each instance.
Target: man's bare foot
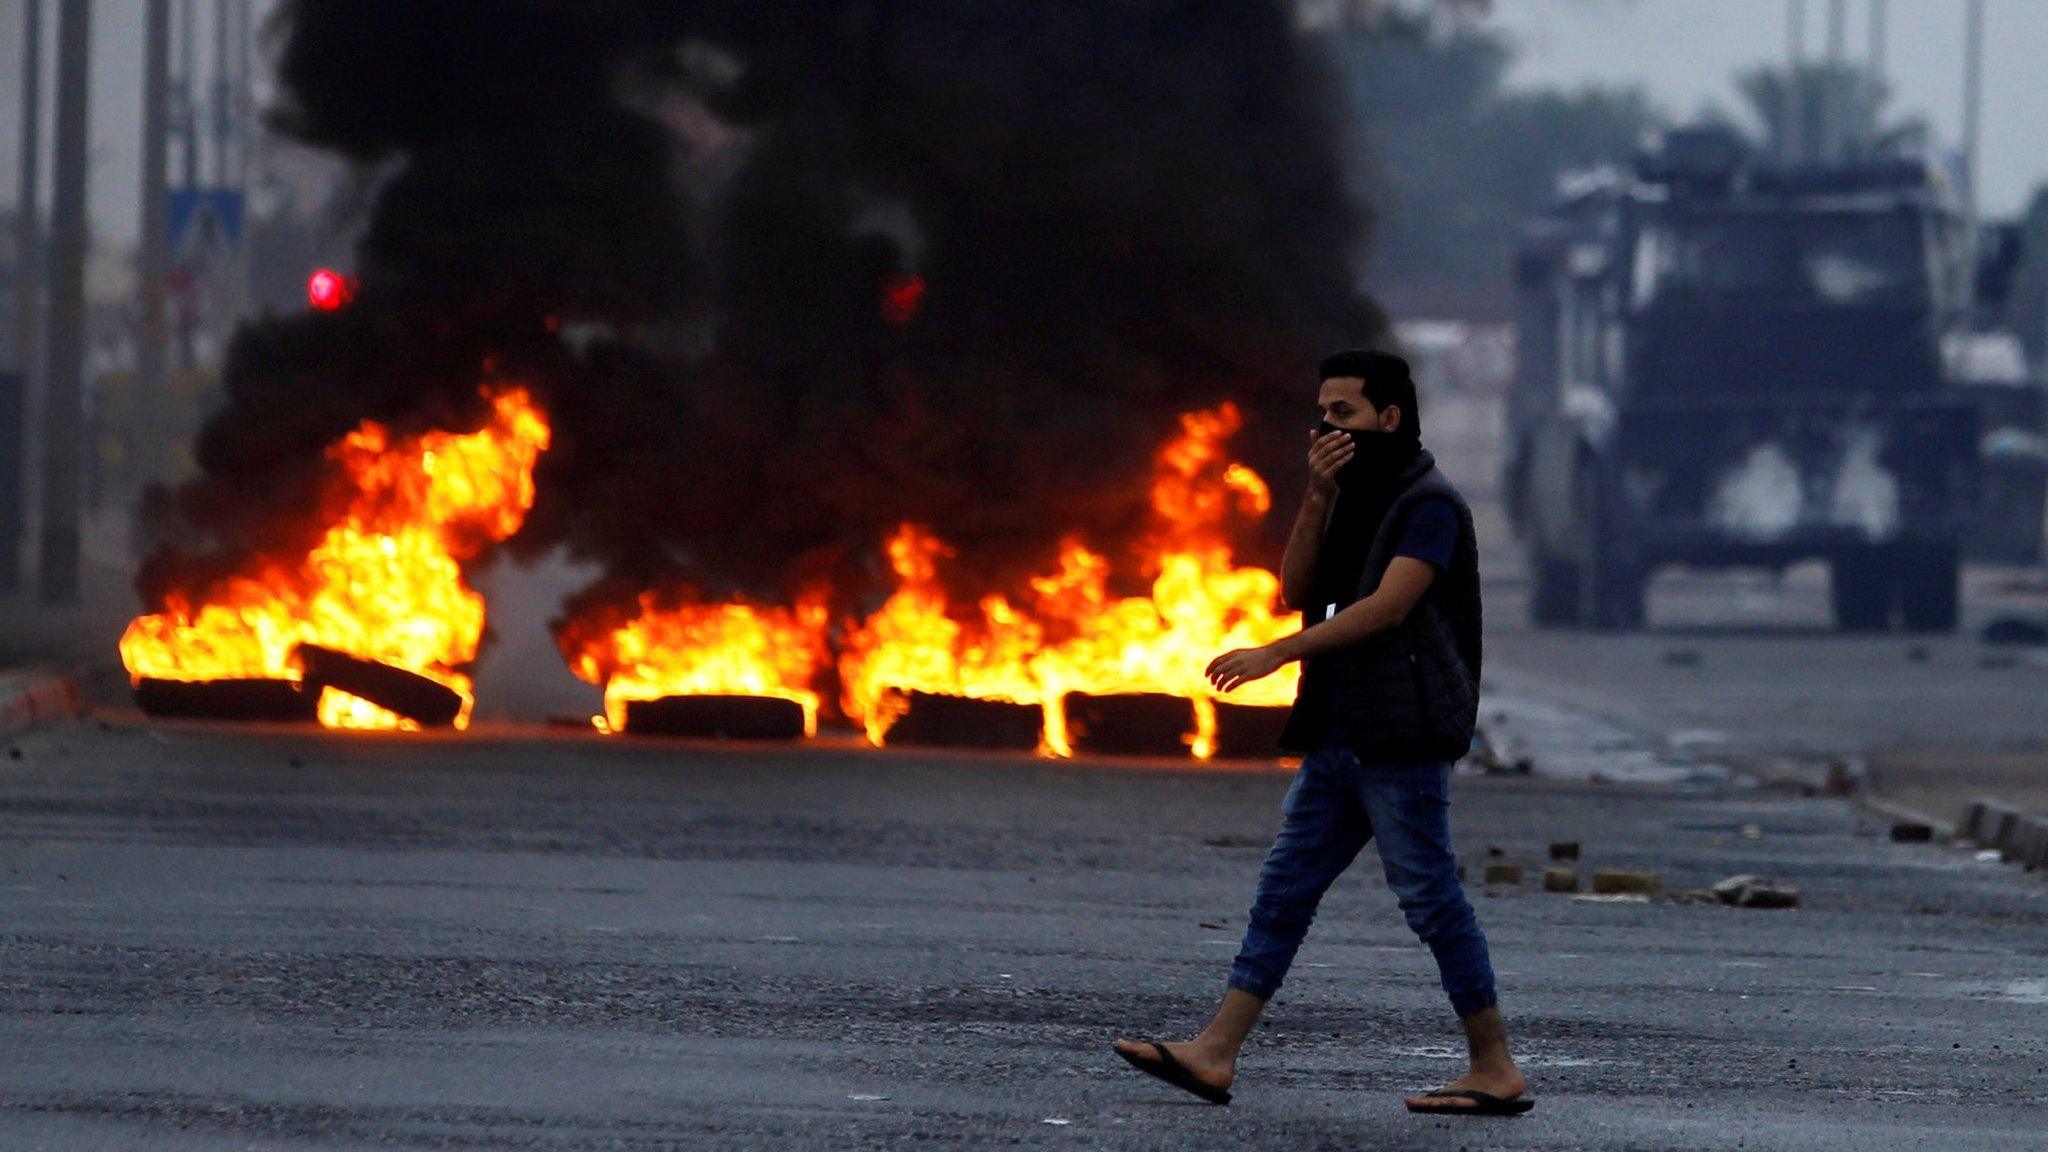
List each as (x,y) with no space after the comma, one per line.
(1505,1084)
(1207,1064)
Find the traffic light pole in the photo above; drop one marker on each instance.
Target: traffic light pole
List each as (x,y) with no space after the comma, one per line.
(64,413)
(28,301)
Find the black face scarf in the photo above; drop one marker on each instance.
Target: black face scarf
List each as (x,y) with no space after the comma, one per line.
(1377,458)
(1366,488)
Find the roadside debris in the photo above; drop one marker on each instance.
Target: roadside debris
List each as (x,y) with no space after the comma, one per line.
(2015,631)
(1624,882)
(1504,874)
(1755,892)
(1491,756)
(1232,840)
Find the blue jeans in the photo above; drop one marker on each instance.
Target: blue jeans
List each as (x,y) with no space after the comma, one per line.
(1335,805)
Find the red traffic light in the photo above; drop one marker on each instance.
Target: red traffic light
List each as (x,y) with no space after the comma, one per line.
(902,296)
(329,291)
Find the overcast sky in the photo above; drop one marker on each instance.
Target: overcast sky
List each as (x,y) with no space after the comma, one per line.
(1682,51)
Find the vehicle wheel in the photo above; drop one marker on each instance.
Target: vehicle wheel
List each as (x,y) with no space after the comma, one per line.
(1611,582)
(1554,593)
(1929,592)
(1861,589)
(1612,591)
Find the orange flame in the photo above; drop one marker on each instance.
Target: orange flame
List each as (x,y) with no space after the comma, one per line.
(911,644)
(1071,635)
(677,646)
(385,581)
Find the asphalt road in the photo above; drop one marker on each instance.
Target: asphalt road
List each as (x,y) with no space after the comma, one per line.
(219,938)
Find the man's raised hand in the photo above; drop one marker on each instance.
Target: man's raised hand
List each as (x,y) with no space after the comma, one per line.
(1327,454)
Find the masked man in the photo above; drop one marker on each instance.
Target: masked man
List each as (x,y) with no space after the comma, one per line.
(1384,566)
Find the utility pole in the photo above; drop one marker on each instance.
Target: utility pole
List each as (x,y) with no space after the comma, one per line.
(152,354)
(28,303)
(223,92)
(188,91)
(63,414)
(245,112)
(1973,99)
(1794,142)
(1834,94)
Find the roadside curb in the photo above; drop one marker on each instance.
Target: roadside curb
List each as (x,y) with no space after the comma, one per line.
(1944,830)
(37,697)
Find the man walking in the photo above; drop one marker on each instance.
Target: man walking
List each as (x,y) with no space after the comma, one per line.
(1384,566)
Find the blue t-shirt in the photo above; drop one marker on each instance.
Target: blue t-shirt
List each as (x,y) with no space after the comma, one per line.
(1431,534)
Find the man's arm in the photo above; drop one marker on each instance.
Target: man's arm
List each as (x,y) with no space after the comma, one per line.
(1326,454)
(1400,590)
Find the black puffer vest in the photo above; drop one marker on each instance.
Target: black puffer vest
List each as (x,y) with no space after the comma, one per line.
(1412,693)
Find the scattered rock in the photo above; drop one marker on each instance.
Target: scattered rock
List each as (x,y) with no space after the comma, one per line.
(1769,896)
(1504,874)
(2015,631)
(1231,840)
(1564,850)
(1560,879)
(1755,892)
(1624,882)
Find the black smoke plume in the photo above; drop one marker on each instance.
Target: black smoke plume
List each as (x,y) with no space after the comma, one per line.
(700,231)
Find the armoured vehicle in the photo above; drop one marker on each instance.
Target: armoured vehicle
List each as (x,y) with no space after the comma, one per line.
(1720,363)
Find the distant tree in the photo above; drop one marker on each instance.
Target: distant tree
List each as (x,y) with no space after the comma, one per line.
(1791,110)
(2026,309)
(1452,163)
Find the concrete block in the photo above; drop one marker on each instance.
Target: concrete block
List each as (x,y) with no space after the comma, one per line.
(1560,879)
(1971,824)
(2030,843)
(2003,830)
(1504,874)
(1619,881)
(1986,822)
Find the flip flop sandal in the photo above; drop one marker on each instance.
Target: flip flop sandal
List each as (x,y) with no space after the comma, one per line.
(1175,1073)
(1484,1103)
